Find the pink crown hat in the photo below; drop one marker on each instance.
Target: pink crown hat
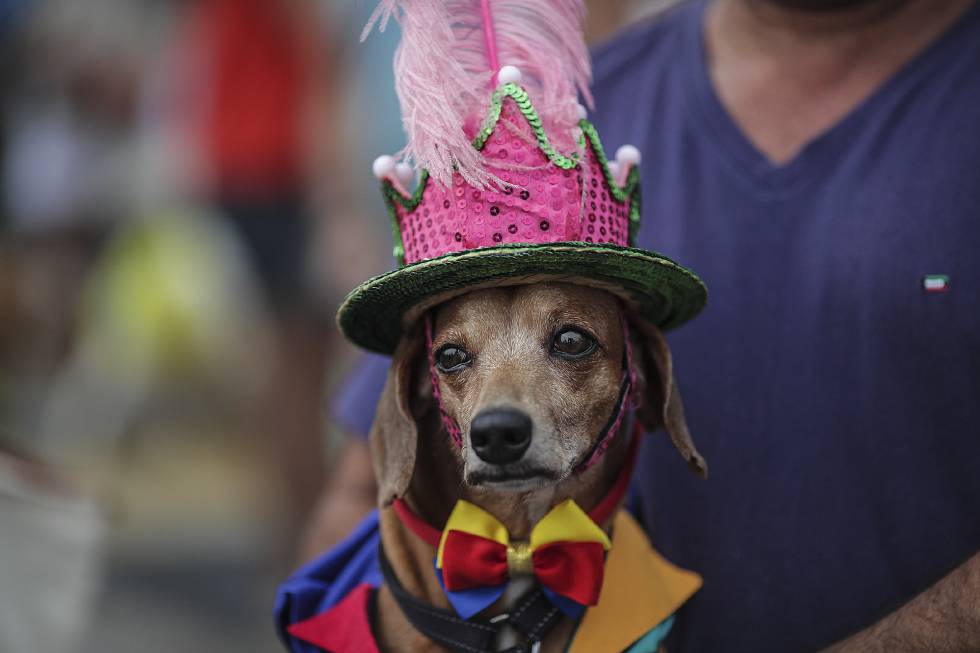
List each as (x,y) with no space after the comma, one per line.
(523,212)
(542,201)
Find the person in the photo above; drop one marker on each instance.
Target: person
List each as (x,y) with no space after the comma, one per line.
(266,72)
(815,161)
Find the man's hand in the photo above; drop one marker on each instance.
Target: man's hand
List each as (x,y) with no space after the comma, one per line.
(943,619)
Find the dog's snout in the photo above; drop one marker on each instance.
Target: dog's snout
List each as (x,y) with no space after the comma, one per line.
(500,435)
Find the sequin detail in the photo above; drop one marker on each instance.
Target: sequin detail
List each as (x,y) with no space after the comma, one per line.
(548,197)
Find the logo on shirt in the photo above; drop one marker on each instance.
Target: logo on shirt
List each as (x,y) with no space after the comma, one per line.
(935,283)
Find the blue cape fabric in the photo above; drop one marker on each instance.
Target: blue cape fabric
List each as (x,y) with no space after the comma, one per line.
(322,583)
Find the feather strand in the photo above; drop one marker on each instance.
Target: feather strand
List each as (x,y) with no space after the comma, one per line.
(446,66)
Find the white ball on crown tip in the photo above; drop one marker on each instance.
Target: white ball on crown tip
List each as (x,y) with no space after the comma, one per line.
(404,172)
(383,166)
(583,113)
(628,155)
(509,75)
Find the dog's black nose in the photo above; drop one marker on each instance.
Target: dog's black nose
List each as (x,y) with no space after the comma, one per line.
(500,435)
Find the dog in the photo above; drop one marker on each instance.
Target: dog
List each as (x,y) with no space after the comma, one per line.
(530,374)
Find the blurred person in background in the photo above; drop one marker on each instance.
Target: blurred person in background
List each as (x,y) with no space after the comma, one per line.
(68,115)
(261,89)
(817,160)
(66,107)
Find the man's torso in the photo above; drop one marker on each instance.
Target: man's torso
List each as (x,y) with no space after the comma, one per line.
(834,396)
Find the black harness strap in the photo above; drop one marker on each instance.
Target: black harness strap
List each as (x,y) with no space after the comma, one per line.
(533,616)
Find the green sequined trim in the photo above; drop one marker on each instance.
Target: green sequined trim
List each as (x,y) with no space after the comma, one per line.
(519,95)
(631,190)
(621,193)
(391,196)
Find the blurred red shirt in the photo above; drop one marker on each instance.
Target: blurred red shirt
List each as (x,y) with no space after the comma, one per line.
(258,74)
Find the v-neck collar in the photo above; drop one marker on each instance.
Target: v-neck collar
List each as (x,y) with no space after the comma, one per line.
(744,158)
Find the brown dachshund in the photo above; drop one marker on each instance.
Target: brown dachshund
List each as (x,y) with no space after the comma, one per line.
(531,375)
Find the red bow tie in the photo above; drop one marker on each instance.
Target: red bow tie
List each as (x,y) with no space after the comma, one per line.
(566,554)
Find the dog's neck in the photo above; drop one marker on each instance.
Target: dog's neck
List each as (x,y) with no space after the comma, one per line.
(436,486)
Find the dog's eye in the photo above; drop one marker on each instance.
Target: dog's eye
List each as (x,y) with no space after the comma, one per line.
(572,343)
(451,359)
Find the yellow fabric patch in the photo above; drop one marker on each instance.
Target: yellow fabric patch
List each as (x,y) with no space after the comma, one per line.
(639,591)
(566,522)
(470,518)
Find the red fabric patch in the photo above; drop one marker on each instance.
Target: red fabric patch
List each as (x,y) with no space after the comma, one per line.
(470,561)
(344,628)
(572,569)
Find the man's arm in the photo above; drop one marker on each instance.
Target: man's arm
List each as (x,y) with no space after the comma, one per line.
(943,619)
(350,494)
(351,491)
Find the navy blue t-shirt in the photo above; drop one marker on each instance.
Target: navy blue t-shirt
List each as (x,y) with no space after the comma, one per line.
(836,400)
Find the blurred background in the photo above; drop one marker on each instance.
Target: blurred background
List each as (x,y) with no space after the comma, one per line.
(185,196)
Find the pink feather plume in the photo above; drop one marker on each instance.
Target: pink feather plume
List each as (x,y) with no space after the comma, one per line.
(446,66)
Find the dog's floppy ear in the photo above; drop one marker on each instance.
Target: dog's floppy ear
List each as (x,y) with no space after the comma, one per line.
(659,399)
(394,434)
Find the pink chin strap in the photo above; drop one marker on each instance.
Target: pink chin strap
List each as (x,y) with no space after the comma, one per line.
(606,436)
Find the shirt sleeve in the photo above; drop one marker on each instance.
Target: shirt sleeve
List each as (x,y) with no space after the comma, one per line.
(355,399)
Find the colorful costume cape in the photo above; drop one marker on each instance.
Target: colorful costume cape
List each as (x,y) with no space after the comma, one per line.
(324,606)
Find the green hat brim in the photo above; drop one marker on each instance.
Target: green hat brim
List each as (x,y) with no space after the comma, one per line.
(376,313)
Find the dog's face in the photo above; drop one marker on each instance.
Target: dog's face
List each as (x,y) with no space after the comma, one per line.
(531,374)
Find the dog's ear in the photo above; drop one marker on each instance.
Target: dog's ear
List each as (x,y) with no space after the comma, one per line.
(659,399)
(394,434)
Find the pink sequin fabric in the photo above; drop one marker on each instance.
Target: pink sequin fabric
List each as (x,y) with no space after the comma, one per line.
(545,203)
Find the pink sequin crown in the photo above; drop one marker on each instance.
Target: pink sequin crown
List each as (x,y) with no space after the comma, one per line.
(544,197)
